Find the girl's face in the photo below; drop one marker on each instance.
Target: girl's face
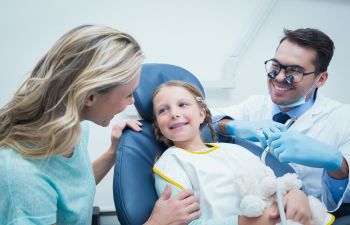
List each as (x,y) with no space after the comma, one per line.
(101,108)
(178,115)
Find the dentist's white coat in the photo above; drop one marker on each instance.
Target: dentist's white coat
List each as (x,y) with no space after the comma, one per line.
(327,121)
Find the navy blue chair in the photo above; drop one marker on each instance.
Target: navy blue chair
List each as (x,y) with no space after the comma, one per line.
(133,184)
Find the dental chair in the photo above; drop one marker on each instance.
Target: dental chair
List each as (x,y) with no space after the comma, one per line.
(133,184)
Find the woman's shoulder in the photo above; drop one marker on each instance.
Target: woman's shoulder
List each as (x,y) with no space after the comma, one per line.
(10,154)
(24,188)
(18,170)
(10,158)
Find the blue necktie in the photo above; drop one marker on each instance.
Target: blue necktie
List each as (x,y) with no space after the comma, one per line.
(281,117)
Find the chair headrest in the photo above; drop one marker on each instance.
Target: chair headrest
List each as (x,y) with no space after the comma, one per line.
(152,75)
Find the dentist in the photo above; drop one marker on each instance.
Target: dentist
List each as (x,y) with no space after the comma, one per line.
(317,145)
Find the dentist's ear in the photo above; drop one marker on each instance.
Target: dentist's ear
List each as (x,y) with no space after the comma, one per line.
(322,80)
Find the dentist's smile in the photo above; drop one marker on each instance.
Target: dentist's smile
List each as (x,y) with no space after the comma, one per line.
(281,88)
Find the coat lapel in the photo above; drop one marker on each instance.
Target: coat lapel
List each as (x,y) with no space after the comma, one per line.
(321,107)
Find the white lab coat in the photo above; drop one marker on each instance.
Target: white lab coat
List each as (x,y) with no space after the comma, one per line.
(327,121)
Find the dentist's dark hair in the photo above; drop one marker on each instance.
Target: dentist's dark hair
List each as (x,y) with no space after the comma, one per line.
(316,40)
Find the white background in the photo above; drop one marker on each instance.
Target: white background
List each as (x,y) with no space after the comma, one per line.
(198,35)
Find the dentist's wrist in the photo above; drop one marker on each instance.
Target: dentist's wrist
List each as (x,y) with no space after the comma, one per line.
(342,171)
(335,162)
(230,127)
(222,125)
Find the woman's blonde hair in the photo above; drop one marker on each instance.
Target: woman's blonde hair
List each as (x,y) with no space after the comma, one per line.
(43,118)
(198,96)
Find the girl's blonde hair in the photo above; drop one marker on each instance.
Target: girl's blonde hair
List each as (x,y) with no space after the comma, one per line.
(198,96)
(43,118)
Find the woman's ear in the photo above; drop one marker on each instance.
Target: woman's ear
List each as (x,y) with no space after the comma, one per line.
(90,100)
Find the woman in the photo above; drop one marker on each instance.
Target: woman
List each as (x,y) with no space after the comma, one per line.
(45,172)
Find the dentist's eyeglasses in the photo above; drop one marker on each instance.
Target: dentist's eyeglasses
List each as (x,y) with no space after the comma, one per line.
(293,73)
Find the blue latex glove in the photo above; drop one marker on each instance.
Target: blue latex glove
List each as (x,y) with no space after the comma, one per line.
(254,130)
(296,147)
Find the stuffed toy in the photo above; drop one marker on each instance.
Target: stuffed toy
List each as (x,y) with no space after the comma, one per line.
(259,192)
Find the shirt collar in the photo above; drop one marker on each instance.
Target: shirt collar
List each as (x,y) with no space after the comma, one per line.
(298,111)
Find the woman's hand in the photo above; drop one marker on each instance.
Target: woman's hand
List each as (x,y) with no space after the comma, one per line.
(117,130)
(297,207)
(180,209)
(105,162)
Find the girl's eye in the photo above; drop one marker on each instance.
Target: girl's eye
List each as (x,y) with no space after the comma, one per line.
(163,110)
(183,104)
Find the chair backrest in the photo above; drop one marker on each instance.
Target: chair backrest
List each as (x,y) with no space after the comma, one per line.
(133,185)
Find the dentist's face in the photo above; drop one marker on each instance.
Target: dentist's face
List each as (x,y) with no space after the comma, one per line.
(289,53)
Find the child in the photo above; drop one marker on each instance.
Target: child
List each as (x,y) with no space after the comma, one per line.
(208,169)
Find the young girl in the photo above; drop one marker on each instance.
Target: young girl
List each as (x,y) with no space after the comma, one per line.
(207,169)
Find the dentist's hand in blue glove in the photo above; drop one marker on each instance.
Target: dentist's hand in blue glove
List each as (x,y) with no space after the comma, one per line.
(254,130)
(296,147)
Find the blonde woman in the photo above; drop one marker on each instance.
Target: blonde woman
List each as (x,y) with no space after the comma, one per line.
(45,172)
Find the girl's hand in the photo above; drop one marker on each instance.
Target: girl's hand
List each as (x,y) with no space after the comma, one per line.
(118,128)
(297,207)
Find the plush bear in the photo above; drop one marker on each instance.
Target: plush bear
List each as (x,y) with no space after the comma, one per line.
(259,191)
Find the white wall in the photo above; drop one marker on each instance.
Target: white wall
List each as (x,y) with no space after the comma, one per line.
(195,34)
(199,35)
(329,16)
